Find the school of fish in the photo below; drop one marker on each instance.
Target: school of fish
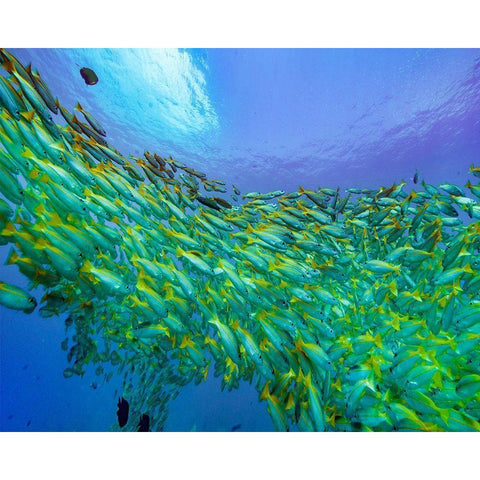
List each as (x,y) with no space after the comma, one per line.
(348,311)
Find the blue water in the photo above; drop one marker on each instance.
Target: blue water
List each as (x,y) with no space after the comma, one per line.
(264,120)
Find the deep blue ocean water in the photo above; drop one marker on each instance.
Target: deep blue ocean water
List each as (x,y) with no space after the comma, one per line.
(263,120)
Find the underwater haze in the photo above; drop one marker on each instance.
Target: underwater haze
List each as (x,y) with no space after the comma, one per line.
(278,122)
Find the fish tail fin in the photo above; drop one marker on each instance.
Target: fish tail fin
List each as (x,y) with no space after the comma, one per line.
(86,267)
(78,107)
(444,414)
(10,68)
(12,257)
(271,266)
(299,344)
(308,380)
(301,190)
(9,230)
(30,115)
(290,402)
(179,252)
(40,244)
(58,145)
(265,395)
(169,293)
(185,342)
(55,220)
(249,229)
(468,268)
(468,185)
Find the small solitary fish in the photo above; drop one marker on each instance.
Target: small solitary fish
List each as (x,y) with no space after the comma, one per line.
(236,427)
(122,412)
(415,177)
(89,76)
(144,423)
(16,298)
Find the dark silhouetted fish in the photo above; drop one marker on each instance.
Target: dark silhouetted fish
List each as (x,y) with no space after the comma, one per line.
(208,202)
(122,412)
(222,202)
(28,423)
(236,427)
(415,177)
(89,76)
(144,423)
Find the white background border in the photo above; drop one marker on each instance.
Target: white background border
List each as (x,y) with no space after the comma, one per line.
(245,23)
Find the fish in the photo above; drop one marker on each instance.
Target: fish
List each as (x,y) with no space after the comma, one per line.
(144,423)
(122,412)
(16,298)
(89,76)
(42,89)
(8,100)
(209,202)
(236,427)
(222,202)
(91,120)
